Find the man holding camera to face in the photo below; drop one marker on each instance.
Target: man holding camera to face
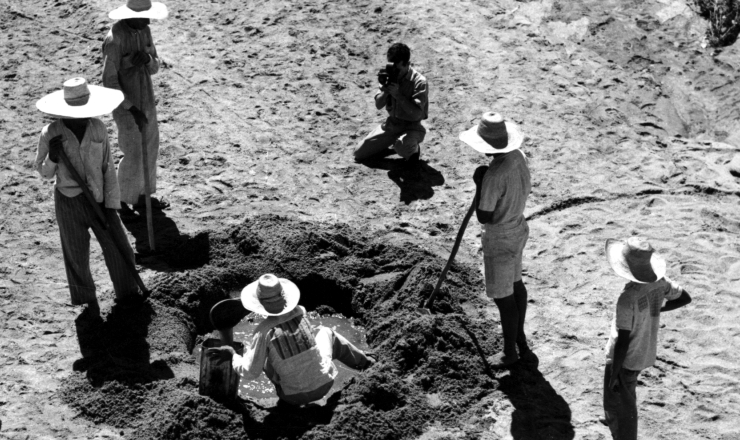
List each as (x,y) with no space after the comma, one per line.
(403,92)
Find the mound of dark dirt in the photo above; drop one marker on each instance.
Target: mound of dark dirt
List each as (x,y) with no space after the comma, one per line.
(430,367)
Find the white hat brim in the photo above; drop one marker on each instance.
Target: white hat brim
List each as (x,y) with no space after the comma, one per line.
(102,101)
(252,303)
(516,138)
(158,11)
(615,255)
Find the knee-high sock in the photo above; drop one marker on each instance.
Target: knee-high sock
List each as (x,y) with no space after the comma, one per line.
(520,297)
(509,322)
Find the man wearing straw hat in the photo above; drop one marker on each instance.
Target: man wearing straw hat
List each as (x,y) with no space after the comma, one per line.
(130,60)
(84,140)
(296,359)
(502,189)
(633,340)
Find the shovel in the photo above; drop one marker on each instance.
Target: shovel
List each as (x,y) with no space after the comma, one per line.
(426,309)
(147,187)
(101,216)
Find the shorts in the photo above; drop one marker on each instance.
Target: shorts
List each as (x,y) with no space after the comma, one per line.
(502,258)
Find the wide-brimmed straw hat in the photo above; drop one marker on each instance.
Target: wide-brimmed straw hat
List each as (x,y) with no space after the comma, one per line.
(139,9)
(78,99)
(270,296)
(635,259)
(493,135)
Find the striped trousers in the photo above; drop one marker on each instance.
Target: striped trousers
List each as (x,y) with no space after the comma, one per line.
(75,217)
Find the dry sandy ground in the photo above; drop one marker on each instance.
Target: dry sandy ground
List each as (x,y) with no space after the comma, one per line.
(632,124)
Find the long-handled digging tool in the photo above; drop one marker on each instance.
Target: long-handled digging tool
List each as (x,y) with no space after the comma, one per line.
(147,186)
(426,309)
(101,216)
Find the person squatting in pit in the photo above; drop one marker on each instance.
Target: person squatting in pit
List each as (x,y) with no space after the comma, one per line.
(295,356)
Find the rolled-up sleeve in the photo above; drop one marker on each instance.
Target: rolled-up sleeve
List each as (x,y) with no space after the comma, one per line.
(44,166)
(420,98)
(250,365)
(673,289)
(625,313)
(153,65)
(111,67)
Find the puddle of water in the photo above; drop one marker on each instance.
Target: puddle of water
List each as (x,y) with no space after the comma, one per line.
(261,388)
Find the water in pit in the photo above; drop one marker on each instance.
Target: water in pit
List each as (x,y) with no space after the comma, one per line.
(261,389)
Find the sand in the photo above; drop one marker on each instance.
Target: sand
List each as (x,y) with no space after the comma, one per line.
(632,125)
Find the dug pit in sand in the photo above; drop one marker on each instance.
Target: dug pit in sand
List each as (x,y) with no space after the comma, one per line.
(429,376)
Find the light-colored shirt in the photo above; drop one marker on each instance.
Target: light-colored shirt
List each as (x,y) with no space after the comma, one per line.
(504,190)
(91,159)
(638,310)
(119,47)
(414,87)
(287,343)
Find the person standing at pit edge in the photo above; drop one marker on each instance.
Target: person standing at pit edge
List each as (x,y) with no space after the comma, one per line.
(84,140)
(129,61)
(294,356)
(633,341)
(404,94)
(501,193)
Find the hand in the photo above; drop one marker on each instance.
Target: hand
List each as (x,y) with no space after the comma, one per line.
(140,58)
(614,382)
(479,173)
(139,116)
(393,89)
(222,354)
(56,146)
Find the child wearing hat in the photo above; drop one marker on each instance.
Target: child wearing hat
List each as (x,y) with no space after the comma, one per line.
(634,336)
(84,140)
(296,358)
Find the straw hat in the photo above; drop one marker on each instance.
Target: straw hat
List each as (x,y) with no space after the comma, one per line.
(493,135)
(139,9)
(77,99)
(635,259)
(270,296)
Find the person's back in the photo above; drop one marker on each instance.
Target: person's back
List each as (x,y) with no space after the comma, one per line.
(633,340)
(296,357)
(638,310)
(505,188)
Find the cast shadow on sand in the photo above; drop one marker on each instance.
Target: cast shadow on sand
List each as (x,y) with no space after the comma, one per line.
(414,185)
(540,412)
(284,421)
(117,349)
(173,251)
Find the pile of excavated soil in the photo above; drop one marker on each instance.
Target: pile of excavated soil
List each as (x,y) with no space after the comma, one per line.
(430,366)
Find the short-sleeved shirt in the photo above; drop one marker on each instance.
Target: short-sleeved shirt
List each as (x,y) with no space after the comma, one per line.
(638,310)
(414,87)
(504,190)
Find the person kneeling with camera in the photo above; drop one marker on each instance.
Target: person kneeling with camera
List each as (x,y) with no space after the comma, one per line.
(403,92)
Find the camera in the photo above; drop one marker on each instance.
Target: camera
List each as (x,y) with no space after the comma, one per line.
(388,75)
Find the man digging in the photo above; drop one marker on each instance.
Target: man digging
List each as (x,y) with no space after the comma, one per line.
(84,140)
(294,356)
(501,193)
(404,94)
(129,61)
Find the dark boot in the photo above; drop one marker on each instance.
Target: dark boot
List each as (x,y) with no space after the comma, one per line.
(520,297)
(509,325)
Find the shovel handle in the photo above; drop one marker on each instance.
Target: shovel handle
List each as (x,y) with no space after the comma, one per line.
(460,233)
